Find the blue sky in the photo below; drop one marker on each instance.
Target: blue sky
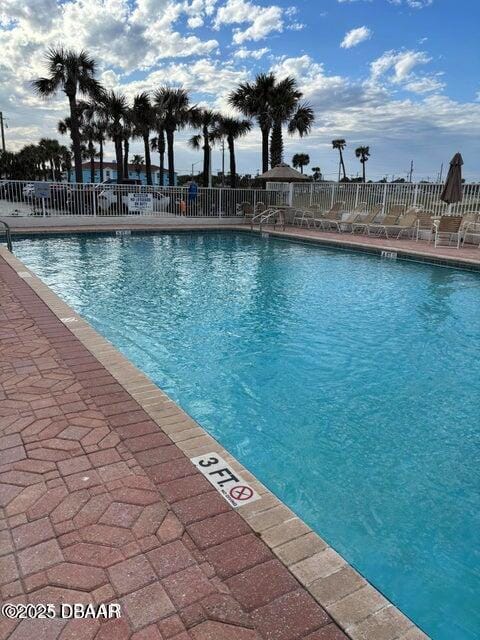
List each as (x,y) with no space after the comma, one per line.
(398,75)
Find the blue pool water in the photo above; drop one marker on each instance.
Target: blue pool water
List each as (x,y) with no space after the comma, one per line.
(349,385)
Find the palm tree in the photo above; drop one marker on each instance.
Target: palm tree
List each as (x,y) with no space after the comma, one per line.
(128,130)
(138,164)
(286,109)
(317,174)
(158,144)
(300,160)
(144,118)
(112,108)
(207,121)
(73,73)
(363,153)
(174,105)
(88,132)
(340,144)
(254,101)
(66,161)
(232,129)
(51,150)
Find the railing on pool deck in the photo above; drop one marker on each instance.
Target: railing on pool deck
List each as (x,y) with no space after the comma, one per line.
(28,198)
(321,196)
(8,235)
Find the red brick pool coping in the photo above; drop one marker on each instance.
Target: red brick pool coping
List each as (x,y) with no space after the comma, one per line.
(100,503)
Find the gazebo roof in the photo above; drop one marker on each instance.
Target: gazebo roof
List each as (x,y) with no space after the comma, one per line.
(283,173)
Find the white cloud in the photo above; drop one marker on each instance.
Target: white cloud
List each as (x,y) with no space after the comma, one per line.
(256,54)
(261,20)
(414,4)
(425,85)
(355,36)
(401,63)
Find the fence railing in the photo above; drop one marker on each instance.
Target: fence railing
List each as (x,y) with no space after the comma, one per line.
(320,196)
(21,198)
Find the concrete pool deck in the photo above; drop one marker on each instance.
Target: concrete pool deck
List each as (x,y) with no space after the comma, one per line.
(100,503)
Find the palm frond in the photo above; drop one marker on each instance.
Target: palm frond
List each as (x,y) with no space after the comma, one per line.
(195,142)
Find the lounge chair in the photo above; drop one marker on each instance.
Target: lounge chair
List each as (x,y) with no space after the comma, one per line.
(424,223)
(377,228)
(303,217)
(363,222)
(332,215)
(397,209)
(245,209)
(470,226)
(405,224)
(448,227)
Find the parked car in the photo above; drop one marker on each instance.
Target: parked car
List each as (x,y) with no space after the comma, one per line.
(10,191)
(28,191)
(108,201)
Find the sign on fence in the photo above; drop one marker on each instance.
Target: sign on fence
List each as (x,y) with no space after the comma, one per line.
(41,189)
(140,203)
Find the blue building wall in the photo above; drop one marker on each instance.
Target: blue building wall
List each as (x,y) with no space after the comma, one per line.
(111,174)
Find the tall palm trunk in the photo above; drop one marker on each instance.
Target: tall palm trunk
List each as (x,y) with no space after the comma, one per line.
(161,153)
(233,166)
(126,147)
(342,164)
(91,153)
(100,157)
(148,162)
(75,136)
(363,170)
(276,145)
(171,159)
(265,136)
(52,168)
(206,157)
(119,158)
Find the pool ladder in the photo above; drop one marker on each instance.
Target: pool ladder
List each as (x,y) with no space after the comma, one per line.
(276,216)
(8,235)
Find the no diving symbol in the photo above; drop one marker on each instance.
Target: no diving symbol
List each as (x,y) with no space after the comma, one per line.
(241,492)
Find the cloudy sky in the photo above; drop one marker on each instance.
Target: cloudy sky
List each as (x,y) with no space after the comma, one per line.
(398,75)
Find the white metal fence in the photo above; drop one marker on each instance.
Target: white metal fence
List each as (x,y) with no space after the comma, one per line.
(320,196)
(21,198)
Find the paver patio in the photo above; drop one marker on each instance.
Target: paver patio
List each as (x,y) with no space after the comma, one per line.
(99,505)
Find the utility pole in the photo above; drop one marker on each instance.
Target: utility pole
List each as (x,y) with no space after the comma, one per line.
(441,173)
(411,172)
(3,132)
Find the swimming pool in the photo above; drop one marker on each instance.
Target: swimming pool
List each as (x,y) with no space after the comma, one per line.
(349,385)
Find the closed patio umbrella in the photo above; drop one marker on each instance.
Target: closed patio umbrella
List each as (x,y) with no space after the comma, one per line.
(452,191)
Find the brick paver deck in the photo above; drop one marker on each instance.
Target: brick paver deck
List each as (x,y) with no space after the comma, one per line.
(98,505)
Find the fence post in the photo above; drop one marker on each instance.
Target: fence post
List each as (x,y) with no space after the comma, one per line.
(384,198)
(220,201)
(415,195)
(290,194)
(94,198)
(311,194)
(43,207)
(356,196)
(333,195)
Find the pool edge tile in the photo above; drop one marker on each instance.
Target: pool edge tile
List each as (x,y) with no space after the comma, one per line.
(291,530)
